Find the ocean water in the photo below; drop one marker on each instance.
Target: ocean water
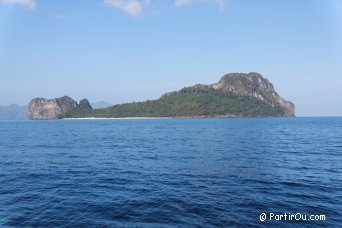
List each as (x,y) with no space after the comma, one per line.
(171,172)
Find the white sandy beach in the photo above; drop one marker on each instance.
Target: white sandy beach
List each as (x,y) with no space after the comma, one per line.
(117,118)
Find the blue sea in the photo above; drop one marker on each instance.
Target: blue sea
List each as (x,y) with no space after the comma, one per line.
(171,173)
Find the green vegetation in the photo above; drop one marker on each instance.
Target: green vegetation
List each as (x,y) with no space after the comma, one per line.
(196,101)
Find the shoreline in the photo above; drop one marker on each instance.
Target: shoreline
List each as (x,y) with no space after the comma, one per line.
(116,118)
(175,117)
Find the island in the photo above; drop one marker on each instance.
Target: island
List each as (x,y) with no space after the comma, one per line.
(235,95)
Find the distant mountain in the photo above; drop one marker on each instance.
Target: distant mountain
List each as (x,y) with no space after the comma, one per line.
(235,95)
(13,112)
(101,104)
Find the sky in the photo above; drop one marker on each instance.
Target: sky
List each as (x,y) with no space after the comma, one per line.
(133,50)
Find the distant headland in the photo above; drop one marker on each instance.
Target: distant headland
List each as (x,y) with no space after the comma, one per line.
(235,95)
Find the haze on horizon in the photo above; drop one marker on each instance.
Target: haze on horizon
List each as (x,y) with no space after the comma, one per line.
(133,50)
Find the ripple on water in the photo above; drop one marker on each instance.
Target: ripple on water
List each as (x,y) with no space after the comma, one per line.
(170,172)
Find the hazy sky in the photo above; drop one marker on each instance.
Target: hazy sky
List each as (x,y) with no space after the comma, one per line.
(133,50)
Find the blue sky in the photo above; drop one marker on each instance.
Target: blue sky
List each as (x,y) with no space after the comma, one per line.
(133,50)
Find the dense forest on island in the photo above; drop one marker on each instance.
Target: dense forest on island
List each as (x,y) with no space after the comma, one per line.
(188,102)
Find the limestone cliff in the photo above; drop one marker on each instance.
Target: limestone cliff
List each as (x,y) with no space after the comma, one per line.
(45,109)
(84,104)
(254,85)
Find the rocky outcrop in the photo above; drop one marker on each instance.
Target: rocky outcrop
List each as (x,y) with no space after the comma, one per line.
(45,109)
(254,85)
(84,104)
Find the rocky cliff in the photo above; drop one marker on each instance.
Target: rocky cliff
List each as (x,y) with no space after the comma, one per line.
(45,109)
(253,85)
(84,104)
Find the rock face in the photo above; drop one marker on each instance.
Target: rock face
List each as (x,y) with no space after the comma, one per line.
(84,104)
(45,109)
(254,85)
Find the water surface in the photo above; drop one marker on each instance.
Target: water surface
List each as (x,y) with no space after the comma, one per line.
(170,172)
